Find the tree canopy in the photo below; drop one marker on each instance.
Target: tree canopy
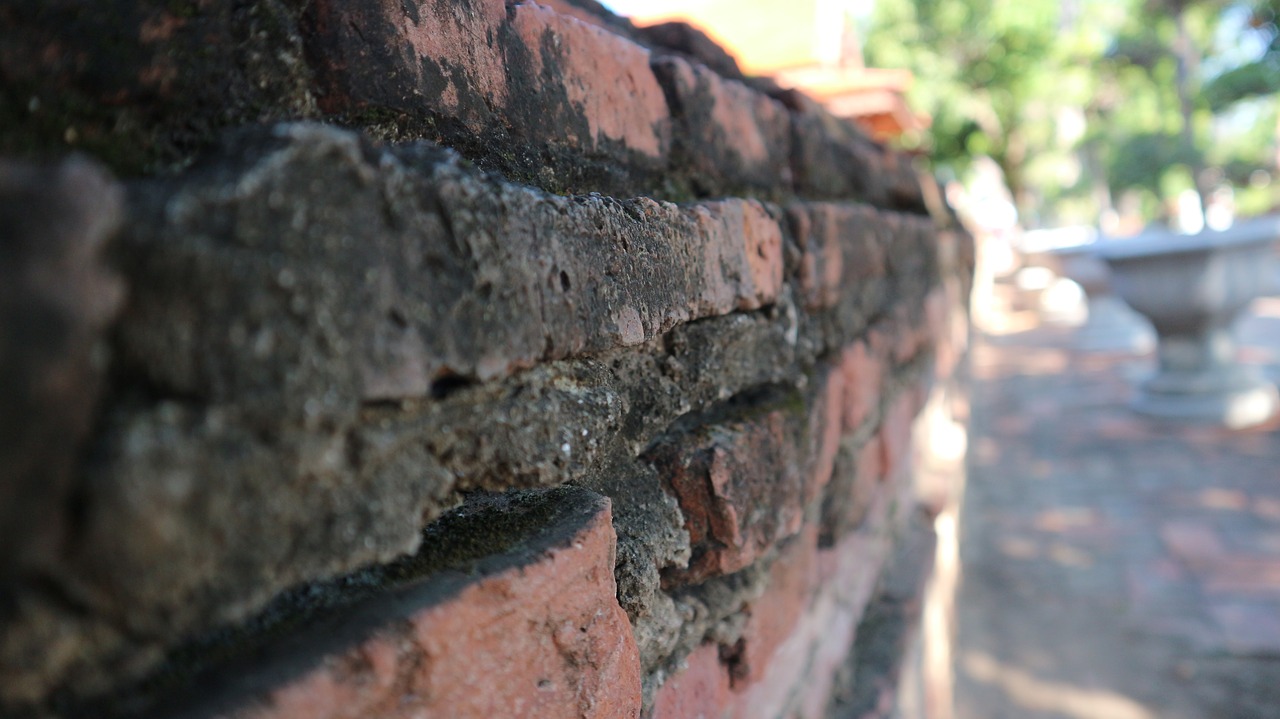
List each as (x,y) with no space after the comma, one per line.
(1082,101)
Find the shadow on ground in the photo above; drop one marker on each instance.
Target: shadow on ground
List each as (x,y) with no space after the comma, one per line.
(1114,567)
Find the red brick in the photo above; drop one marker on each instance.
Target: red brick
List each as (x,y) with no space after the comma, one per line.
(938,311)
(700,690)
(742,253)
(895,433)
(605,74)
(456,60)
(840,249)
(863,372)
(899,337)
(937,308)
(826,426)
(739,487)
(545,639)
(412,56)
(731,132)
(772,618)
(799,668)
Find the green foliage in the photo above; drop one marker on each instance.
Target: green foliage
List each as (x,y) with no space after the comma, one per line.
(1140,161)
(1154,80)
(1244,82)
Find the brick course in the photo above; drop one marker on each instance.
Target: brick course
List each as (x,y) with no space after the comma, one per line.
(353,273)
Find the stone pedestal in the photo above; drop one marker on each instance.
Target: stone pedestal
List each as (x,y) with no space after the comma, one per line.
(1192,288)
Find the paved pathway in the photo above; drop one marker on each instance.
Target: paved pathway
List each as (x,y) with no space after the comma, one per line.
(1114,567)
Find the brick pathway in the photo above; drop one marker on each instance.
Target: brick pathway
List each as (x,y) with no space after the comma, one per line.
(1115,567)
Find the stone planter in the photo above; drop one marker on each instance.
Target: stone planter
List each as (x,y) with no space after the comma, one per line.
(1192,288)
(1110,326)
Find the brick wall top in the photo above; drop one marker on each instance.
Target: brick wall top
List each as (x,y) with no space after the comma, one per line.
(569,100)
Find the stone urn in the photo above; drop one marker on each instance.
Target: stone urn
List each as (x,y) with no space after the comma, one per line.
(1110,326)
(1192,288)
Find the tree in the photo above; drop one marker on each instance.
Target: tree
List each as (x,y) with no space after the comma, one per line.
(991,73)
(1258,77)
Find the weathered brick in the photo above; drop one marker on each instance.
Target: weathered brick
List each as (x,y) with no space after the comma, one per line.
(902,335)
(895,433)
(57,299)
(725,131)
(888,626)
(297,307)
(912,254)
(698,690)
(537,634)
(605,75)
(938,310)
(410,56)
(693,44)
(146,83)
(744,246)
(773,617)
(740,487)
(902,183)
(796,671)
(826,426)
(841,249)
(594,13)
(550,77)
(519,276)
(328,341)
(863,370)
(854,488)
(831,158)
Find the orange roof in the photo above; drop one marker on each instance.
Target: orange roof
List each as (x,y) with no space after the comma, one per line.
(806,44)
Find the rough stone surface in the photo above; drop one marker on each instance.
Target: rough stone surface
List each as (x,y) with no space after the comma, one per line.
(520,582)
(740,488)
(772,618)
(700,688)
(333,336)
(551,629)
(725,131)
(843,245)
(145,84)
(606,77)
(854,487)
(57,299)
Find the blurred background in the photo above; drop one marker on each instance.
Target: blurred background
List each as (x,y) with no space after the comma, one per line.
(1103,113)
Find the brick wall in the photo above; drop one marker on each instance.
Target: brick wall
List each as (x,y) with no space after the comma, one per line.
(450,359)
